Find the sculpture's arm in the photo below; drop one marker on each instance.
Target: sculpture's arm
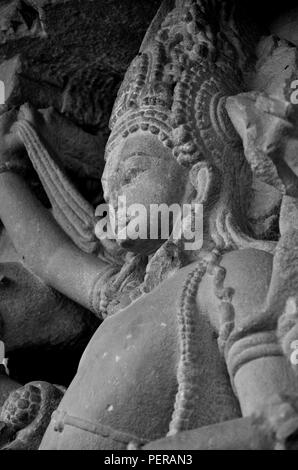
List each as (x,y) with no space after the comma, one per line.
(268,128)
(42,244)
(46,249)
(72,212)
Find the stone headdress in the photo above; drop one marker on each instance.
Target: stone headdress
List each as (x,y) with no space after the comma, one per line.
(191,59)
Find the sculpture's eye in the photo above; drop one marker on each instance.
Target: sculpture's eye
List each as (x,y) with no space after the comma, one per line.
(134,165)
(132,174)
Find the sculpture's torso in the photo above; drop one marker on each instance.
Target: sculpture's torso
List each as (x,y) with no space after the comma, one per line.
(133,374)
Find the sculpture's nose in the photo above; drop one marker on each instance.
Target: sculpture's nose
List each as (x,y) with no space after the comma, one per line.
(110,183)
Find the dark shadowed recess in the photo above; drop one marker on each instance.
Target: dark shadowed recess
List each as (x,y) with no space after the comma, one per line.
(264,12)
(52,365)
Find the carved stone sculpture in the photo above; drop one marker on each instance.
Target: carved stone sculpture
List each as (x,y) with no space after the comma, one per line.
(230,296)
(26,414)
(192,339)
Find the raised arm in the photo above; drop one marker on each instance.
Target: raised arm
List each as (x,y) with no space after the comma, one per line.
(41,243)
(72,212)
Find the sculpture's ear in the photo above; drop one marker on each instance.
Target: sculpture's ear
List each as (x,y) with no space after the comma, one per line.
(203,178)
(164,9)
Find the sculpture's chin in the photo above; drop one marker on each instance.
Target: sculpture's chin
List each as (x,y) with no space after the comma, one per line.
(141,230)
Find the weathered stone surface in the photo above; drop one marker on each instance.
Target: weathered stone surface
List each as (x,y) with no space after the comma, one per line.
(266,118)
(285,26)
(204,116)
(7,385)
(241,434)
(35,316)
(26,414)
(18,20)
(76,151)
(139,373)
(73,54)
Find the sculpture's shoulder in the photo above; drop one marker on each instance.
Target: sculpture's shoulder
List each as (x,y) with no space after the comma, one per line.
(242,277)
(127,374)
(147,317)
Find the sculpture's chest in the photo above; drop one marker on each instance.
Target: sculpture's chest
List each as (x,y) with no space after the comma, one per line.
(138,364)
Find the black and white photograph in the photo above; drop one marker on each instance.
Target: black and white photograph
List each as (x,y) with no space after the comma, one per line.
(148,228)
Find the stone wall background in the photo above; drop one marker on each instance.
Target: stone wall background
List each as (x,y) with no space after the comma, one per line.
(71,54)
